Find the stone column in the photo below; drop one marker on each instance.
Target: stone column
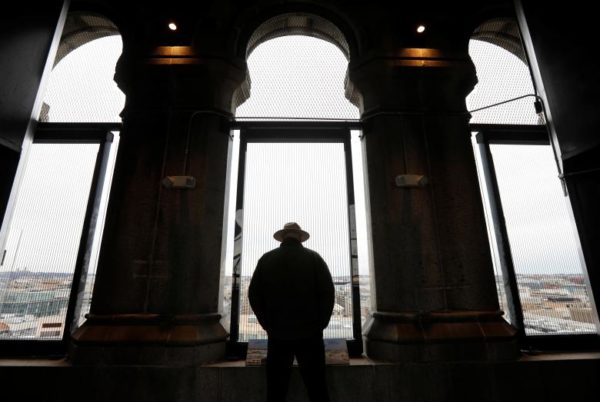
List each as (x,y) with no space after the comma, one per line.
(433,288)
(158,293)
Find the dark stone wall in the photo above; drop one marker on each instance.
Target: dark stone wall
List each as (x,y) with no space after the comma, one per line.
(560,39)
(9,161)
(26,36)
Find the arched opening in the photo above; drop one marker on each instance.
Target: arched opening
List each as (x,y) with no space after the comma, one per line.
(82,87)
(297,77)
(540,273)
(300,160)
(51,239)
(298,24)
(504,93)
(316,51)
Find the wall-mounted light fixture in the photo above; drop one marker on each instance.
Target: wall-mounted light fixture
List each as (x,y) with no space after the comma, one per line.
(181,182)
(421,29)
(411,180)
(172,26)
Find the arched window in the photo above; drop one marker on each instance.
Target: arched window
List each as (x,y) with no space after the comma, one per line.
(82,88)
(540,273)
(297,155)
(504,93)
(51,239)
(297,77)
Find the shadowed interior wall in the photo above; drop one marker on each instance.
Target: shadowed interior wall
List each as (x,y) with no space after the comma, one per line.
(567,78)
(26,36)
(9,160)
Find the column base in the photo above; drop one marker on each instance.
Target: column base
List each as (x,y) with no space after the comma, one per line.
(148,339)
(439,336)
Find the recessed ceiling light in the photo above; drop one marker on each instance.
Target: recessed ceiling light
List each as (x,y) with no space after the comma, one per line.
(172,26)
(421,28)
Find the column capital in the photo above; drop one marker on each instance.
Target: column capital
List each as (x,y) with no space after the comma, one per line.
(411,80)
(180,77)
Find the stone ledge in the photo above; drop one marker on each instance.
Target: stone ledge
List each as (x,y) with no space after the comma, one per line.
(136,329)
(564,378)
(440,336)
(555,357)
(148,339)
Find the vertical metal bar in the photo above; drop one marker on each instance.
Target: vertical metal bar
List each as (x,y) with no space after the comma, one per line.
(103,153)
(234,332)
(87,234)
(356,345)
(502,240)
(10,274)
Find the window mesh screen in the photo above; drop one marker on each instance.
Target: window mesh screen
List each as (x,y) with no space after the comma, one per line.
(43,240)
(545,250)
(82,87)
(297,77)
(304,183)
(502,76)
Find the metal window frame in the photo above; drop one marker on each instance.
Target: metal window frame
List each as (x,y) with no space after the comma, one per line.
(75,133)
(295,131)
(487,134)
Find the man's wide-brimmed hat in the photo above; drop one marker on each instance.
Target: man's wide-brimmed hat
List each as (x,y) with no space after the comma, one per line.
(291,227)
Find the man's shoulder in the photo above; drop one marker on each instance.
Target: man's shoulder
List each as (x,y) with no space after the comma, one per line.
(315,257)
(308,251)
(268,255)
(284,250)
(313,252)
(274,251)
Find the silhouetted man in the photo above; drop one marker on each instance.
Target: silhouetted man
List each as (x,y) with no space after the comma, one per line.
(292,295)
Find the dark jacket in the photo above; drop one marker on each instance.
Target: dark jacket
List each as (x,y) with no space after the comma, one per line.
(291,292)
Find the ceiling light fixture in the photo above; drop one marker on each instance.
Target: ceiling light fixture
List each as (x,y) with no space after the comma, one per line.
(421,28)
(172,26)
